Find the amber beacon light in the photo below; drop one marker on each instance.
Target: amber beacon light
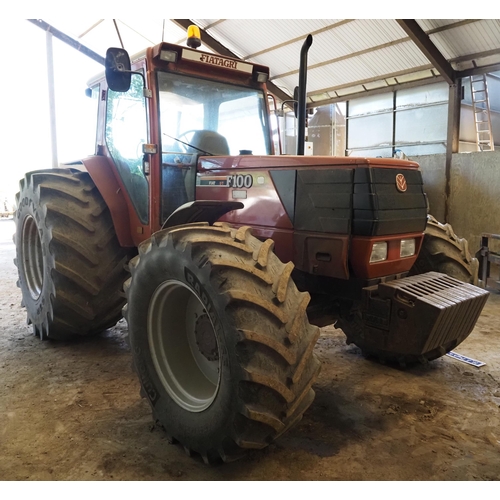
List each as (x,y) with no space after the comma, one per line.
(193,36)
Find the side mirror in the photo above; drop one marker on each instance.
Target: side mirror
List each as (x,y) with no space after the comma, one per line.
(118,73)
(296,101)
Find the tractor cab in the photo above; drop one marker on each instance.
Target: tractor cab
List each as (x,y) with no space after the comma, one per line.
(167,108)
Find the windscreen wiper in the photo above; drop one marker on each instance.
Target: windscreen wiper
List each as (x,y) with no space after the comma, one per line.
(189,145)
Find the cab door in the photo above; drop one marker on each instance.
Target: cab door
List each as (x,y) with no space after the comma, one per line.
(126,130)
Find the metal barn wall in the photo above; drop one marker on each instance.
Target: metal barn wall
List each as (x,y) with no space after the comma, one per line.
(411,120)
(474,205)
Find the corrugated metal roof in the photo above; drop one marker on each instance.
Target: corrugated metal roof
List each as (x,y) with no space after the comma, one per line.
(249,36)
(353,52)
(430,24)
(481,36)
(347,55)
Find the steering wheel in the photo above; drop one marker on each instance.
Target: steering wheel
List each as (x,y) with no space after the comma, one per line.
(184,147)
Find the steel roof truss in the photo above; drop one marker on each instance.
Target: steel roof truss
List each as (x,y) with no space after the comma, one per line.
(424,43)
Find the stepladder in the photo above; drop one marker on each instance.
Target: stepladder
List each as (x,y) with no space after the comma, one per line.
(482,114)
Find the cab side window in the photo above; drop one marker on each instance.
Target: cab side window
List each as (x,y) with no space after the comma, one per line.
(126,132)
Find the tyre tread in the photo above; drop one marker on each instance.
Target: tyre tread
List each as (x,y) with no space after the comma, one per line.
(85,265)
(250,279)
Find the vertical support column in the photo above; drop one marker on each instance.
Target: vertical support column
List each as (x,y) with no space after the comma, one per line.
(452,139)
(394,123)
(484,260)
(52,99)
(346,153)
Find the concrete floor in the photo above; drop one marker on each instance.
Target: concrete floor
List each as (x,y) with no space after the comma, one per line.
(72,411)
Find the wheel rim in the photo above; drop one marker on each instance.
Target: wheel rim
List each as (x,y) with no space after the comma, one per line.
(184,346)
(32,256)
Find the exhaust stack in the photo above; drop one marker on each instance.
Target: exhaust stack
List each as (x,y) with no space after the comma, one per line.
(302,95)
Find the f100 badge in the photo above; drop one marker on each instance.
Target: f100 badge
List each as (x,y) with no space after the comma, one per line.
(230,181)
(401,183)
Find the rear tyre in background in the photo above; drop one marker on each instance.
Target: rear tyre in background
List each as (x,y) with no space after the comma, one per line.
(71,267)
(444,252)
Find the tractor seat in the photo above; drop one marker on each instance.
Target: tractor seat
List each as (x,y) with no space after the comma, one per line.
(211,142)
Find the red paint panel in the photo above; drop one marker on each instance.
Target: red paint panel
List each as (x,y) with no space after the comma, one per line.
(321,254)
(361,249)
(262,205)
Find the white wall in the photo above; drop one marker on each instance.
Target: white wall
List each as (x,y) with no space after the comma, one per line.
(474,205)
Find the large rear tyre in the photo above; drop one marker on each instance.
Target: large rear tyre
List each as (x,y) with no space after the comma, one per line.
(442,251)
(220,339)
(71,267)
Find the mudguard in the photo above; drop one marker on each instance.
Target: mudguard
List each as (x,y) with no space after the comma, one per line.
(201,211)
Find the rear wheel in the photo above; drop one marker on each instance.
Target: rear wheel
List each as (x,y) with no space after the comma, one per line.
(71,267)
(220,339)
(442,251)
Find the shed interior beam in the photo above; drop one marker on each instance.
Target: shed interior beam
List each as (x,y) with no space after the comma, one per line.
(68,40)
(480,70)
(424,43)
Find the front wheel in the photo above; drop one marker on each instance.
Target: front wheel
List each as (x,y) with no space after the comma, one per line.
(220,339)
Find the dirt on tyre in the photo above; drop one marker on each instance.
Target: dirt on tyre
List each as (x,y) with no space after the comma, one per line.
(220,339)
(71,267)
(442,251)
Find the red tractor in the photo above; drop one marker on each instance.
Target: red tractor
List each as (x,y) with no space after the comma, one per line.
(231,256)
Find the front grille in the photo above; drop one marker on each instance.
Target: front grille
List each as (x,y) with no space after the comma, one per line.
(380,209)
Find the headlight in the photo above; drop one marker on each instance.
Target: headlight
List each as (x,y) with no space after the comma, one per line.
(379,252)
(407,248)
(168,55)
